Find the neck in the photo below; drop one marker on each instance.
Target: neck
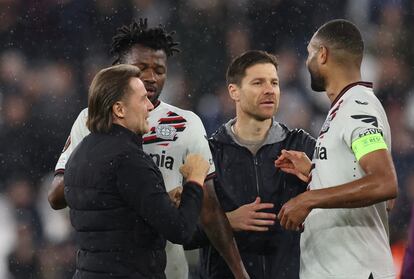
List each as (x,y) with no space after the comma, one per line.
(339,79)
(156,103)
(250,129)
(120,122)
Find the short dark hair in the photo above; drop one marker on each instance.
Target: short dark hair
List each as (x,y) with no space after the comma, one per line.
(138,33)
(108,86)
(342,34)
(237,68)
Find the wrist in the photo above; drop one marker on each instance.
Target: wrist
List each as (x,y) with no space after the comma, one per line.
(195,180)
(310,201)
(239,273)
(229,216)
(308,170)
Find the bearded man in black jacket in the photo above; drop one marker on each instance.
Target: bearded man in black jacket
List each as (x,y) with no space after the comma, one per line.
(250,188)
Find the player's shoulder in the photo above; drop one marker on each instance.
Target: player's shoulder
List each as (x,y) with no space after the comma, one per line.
(84,112)
(83,115)
(362,107)
(188,115)
(360,94)
(361,98)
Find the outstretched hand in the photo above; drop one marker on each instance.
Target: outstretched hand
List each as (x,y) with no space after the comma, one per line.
(248,218)
(294,162)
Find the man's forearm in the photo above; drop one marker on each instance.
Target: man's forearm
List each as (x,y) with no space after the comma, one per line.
(218,230)
(56,196)
(366,191)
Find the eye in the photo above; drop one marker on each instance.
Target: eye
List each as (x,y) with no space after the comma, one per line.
(275,83)
(142,67)
(160,70)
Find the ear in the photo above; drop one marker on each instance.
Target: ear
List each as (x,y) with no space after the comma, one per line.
(234,92)
(323,54)
(118,110)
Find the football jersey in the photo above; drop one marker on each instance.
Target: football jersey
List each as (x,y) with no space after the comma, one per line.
(174,133)
(347,242)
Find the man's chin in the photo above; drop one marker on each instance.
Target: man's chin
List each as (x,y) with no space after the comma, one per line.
(317,88)
(142,132)
(263,116)
(153,97)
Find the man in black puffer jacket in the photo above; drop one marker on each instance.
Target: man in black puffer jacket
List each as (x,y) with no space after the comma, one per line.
(118,204)
(249,186)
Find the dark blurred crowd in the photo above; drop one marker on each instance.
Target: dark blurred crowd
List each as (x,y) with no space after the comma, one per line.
(51,49)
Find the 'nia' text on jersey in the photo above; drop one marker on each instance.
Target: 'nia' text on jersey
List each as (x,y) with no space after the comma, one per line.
(321,153)
(163,161)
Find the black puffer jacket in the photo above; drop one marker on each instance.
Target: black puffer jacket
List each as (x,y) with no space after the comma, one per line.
(120,209)
(241,177)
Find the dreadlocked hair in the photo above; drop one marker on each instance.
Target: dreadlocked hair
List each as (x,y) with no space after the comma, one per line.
(138,33)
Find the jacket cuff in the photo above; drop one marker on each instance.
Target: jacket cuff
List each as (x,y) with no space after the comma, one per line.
(210,176)
(59,171)
(189,182)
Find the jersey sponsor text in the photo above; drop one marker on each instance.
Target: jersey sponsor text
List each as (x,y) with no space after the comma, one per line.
(163,160)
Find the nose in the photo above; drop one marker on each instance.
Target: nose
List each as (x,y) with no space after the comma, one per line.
(150,106)
(149,75)
(269,89)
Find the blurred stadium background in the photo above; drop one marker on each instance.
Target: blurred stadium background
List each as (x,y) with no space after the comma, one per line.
(51,49)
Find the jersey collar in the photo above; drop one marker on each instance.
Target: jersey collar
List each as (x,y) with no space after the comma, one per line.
(156,106)
(349,86)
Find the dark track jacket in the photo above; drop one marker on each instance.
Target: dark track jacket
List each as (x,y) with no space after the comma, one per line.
(120,210)
(241,177)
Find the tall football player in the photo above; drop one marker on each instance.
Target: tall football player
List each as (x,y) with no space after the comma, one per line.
(351,175)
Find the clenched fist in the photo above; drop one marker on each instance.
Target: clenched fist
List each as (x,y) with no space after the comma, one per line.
(195,168)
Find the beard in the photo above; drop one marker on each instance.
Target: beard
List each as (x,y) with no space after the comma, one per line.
(317,81)
(260,115)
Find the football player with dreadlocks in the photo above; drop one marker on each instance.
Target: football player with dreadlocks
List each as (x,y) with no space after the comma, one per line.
(174,133)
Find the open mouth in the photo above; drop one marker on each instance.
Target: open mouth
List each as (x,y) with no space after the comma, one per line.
(270,102)
(150,89)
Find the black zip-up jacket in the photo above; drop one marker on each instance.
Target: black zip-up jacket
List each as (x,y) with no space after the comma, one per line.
(120,209)
(241,177)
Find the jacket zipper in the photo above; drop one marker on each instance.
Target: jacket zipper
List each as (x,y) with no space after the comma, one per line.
(208,267)
(257,177)
(256,164)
